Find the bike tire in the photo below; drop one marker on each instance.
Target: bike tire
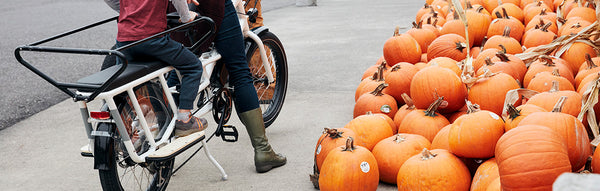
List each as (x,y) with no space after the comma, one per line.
(123,173)
(270,96)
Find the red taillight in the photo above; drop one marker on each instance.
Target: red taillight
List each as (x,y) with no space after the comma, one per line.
(100,114)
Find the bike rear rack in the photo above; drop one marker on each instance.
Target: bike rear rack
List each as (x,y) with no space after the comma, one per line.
(97,89)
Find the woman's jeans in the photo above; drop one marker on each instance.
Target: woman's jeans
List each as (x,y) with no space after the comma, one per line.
(229,42)
(173,53)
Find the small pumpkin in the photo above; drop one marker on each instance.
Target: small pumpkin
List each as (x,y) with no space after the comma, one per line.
(434,81)
(490,91)
(516,114)
(548,64)
(475,134)
(547,100)
(486,173)
(538,36)
(405,109)
(398,80)
(376,102)
(575,56)
(588,67)
(330,139)
(424,122)
(391,153)
(503,20)
(542,82)
(448,45)
(401,48)
(423,36)
(369,129)
(349,167)
(511,44)
(424,172)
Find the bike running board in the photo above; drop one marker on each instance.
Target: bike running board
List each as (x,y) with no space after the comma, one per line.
(176,147)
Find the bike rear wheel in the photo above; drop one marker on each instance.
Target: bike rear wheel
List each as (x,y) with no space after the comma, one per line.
(123,173)
(270,96)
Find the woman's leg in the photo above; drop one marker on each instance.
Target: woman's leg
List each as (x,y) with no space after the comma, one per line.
(230,44)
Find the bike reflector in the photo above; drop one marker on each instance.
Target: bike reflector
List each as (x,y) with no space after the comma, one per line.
(100,114)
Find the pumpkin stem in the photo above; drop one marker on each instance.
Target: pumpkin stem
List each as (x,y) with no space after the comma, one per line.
(589,61)
(498,15)
(333,133)
(433,107)
(460,46)
(488,61)
(555,87)
(503,57)
(559,105)
(409,102)
(396,68)
(513,112)
(414,24)
(469,5)
(378,76)
(426,154)
(504,13)
(506,32)
(349,144)
(502,48)
(546,26)
(399,139)
(555,72)
(576,25)
(548,60)
(455,15)
(472,108)
(397,31)
(379,89)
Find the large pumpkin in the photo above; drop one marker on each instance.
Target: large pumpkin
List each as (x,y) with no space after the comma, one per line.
(376,102)
(424,122)
(475,134)
(448,45)
(393,151)
(531,157)
(330,139)
(432,82)
(437,169)
(369,129)
(569,128)
(401,48)
(485,174)
(349,168)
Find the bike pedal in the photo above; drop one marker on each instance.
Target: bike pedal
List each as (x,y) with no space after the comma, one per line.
(229,133)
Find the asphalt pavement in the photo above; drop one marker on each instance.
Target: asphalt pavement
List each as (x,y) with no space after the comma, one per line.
(328,47)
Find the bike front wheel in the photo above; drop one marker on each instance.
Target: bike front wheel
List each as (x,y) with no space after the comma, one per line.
(270,95)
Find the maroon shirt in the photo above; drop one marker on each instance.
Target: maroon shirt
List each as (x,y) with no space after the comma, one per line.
(139,19)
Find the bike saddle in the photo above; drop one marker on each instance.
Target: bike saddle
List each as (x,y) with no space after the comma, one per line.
(134,70)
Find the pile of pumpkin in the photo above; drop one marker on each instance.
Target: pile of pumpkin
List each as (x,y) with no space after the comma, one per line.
(479,95)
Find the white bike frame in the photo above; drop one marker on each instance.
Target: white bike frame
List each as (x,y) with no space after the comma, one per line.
(208,59)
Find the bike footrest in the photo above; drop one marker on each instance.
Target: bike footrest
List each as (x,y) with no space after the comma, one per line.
(229,133)
(86,151)
(176,147)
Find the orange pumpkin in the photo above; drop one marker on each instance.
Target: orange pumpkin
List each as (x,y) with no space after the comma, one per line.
(588,67)
(509,9)
(569,128)
(538,36)
(446,62)
(494,185)
(398,79)
(497,26)
(516,114)
(329,140)
(517,64)
(547,64)
(475,134)
(432,82)
(547,100)
(486,173)
(568,28)
(479,23)
(520,152)
(369,129)
(534,9)
(401,48)
(423,36)
(483,55)
(440,141)
(391,153)
(575,56)
(405,109)
(424,122)
(369,84)
(349,168)
(538,21)
(596,161)
(376,102)
(456,26)
(542,82)
(369,72)
(490,91)
(586,13)
(448,45)
(511,44)
(424,172)
(501,66)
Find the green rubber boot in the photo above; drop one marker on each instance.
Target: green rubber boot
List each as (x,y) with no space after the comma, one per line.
(265,158)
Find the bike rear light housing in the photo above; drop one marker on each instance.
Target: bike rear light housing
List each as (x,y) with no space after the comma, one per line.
(100,114)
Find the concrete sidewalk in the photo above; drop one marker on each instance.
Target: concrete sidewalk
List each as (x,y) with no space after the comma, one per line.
(328,47)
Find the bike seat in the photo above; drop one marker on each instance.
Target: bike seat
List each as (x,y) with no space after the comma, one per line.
(134,70)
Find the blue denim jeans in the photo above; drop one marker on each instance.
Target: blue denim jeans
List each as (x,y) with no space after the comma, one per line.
(173,53)
(229,42)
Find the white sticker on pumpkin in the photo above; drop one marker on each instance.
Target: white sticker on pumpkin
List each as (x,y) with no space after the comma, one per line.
(364,166)
(319,149)
(385,108)
(496,117)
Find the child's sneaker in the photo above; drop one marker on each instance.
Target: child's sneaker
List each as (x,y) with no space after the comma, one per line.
(193,125)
